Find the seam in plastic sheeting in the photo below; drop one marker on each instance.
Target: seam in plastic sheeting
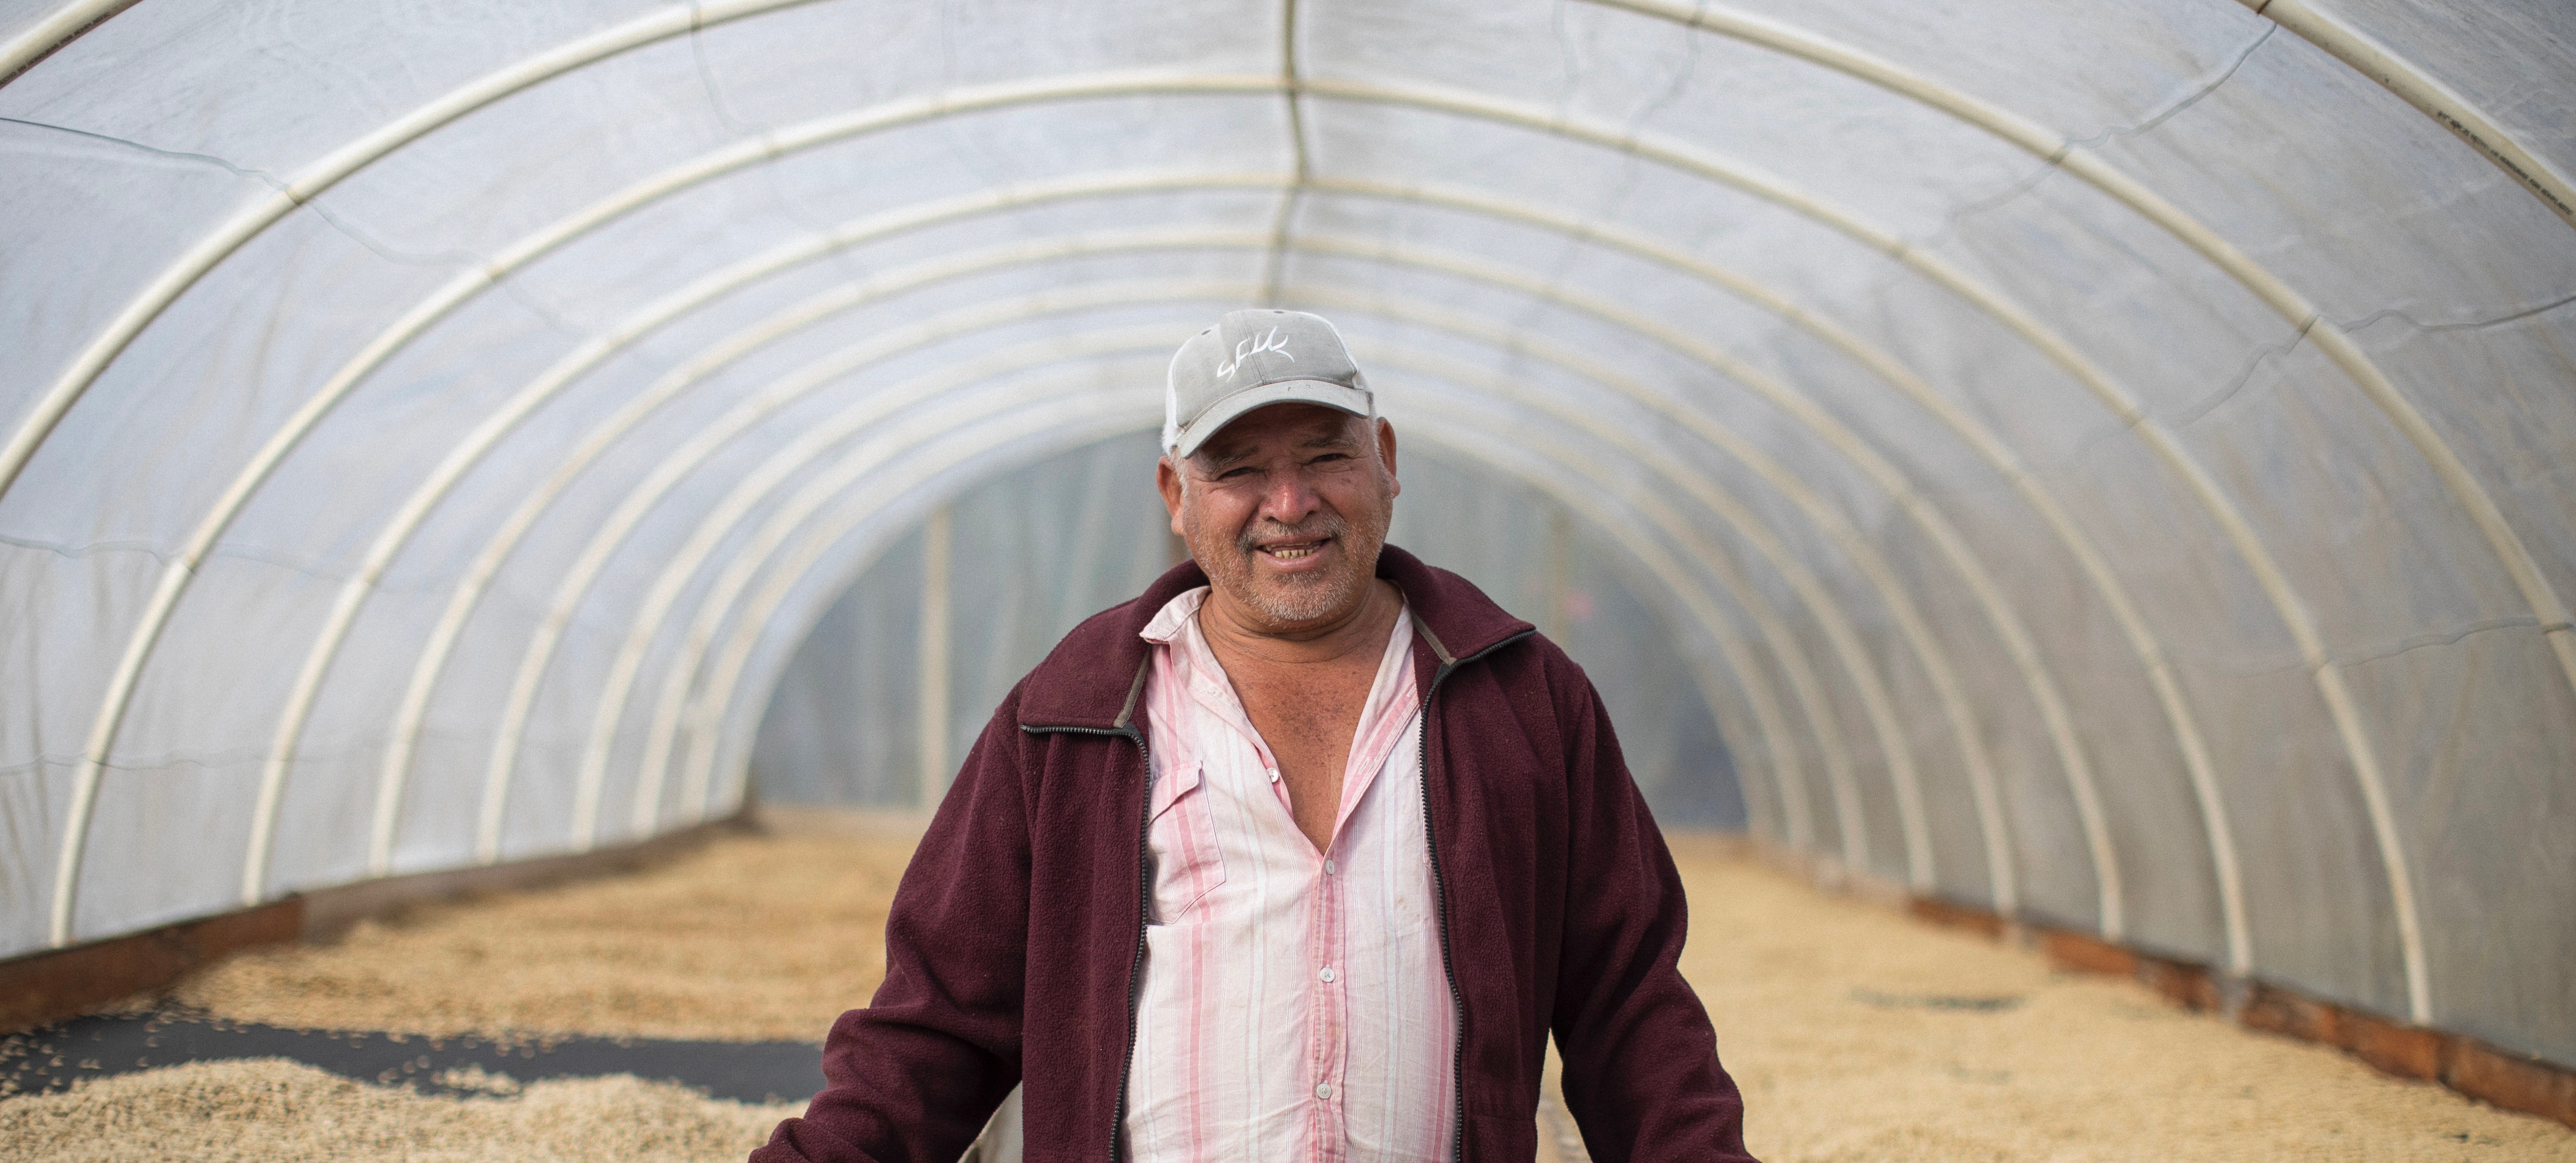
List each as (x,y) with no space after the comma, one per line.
(2345,43)
(2371,59)
(1294,97)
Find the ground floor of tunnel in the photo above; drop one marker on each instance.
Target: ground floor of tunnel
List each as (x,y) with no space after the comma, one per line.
(1856,1033)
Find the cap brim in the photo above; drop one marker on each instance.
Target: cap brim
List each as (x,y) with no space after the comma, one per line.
(1331,395)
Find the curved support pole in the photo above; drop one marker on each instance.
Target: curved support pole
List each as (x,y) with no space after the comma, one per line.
(723,690)
(852,514)
(671,706)
(310,182)
(416,697)
(402,748)
(825,129)
(1482,207)
(694,370)
(1995,837)
(2338,347)
(1080,425)
(386,801)
(573,588)
(2431,97)
(52,31)
(1840,633)
(2117,601)
(885,437)
(743,273)
(672,711)
(407,727)
(415,510)
(2345,43)
(2364,55)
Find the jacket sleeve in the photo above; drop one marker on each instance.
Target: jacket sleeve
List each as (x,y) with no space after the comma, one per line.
(1641,1075)
(917,1073)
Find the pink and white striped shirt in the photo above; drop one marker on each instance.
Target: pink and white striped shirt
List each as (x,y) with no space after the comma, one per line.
(1294,1003)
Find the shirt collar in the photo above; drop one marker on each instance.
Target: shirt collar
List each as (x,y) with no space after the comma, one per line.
(1174,618)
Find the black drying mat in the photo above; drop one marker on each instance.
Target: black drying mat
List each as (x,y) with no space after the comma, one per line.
(49,1059)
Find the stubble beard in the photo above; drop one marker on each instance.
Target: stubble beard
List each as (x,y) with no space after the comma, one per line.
(1296,599)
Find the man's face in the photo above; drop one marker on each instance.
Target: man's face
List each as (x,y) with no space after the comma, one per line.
(1286,509)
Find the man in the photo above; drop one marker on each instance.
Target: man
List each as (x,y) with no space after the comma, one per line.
(1301,855)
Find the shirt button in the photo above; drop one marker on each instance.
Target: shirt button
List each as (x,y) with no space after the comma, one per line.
(1328,867)
(1327,974)
(1323,1090)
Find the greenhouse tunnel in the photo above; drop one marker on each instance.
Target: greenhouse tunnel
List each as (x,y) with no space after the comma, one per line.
(2106,466)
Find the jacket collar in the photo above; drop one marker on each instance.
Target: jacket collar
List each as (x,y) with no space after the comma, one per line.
(1095,678)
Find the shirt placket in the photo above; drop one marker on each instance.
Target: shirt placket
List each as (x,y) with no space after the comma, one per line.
(1328,1018)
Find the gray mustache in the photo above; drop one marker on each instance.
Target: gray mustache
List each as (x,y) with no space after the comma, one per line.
(1317,526)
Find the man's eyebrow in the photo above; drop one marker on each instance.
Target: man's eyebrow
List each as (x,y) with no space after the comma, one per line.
(1212,458)
(1338,438)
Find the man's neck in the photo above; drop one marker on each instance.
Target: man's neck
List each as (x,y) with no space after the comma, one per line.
(1235,630)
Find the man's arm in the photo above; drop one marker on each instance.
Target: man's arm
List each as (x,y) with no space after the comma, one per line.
(1641,1077)
(916,1074)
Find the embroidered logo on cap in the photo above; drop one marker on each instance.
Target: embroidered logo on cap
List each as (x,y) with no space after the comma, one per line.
(1252,347)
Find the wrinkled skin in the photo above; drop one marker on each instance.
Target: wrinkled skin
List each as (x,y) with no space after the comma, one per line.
(1286,509)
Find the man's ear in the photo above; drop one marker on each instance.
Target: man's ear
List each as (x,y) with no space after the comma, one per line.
(1386,456)
(1167,480)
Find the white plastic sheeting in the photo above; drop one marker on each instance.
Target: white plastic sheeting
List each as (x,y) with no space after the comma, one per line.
(2109,461)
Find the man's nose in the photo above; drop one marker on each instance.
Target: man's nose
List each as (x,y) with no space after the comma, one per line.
(1290,497)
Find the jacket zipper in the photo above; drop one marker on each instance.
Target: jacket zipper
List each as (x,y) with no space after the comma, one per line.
(1144,905)
(1440,906)
(1136,963)
(1440,909)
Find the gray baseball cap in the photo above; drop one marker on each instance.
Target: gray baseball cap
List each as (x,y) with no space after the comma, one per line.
(1254,358)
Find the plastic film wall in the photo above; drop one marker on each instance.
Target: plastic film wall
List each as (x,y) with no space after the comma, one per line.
(2104,462)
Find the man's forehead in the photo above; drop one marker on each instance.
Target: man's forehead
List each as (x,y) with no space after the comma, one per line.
(1302,425)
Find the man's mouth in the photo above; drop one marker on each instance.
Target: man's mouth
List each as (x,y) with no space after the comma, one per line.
(1295,550)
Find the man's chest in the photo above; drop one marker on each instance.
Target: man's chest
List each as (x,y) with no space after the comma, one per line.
(1306,715)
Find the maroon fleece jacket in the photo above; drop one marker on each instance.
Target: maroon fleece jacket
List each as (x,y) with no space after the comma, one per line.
(1016,938)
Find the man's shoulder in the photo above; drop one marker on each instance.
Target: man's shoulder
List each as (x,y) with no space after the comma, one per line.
(1088,681)
(1532,667)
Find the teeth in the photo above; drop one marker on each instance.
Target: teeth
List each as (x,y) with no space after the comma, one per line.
(1285,553)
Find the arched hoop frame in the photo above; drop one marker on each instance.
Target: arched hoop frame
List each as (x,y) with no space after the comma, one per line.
(2448,467)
